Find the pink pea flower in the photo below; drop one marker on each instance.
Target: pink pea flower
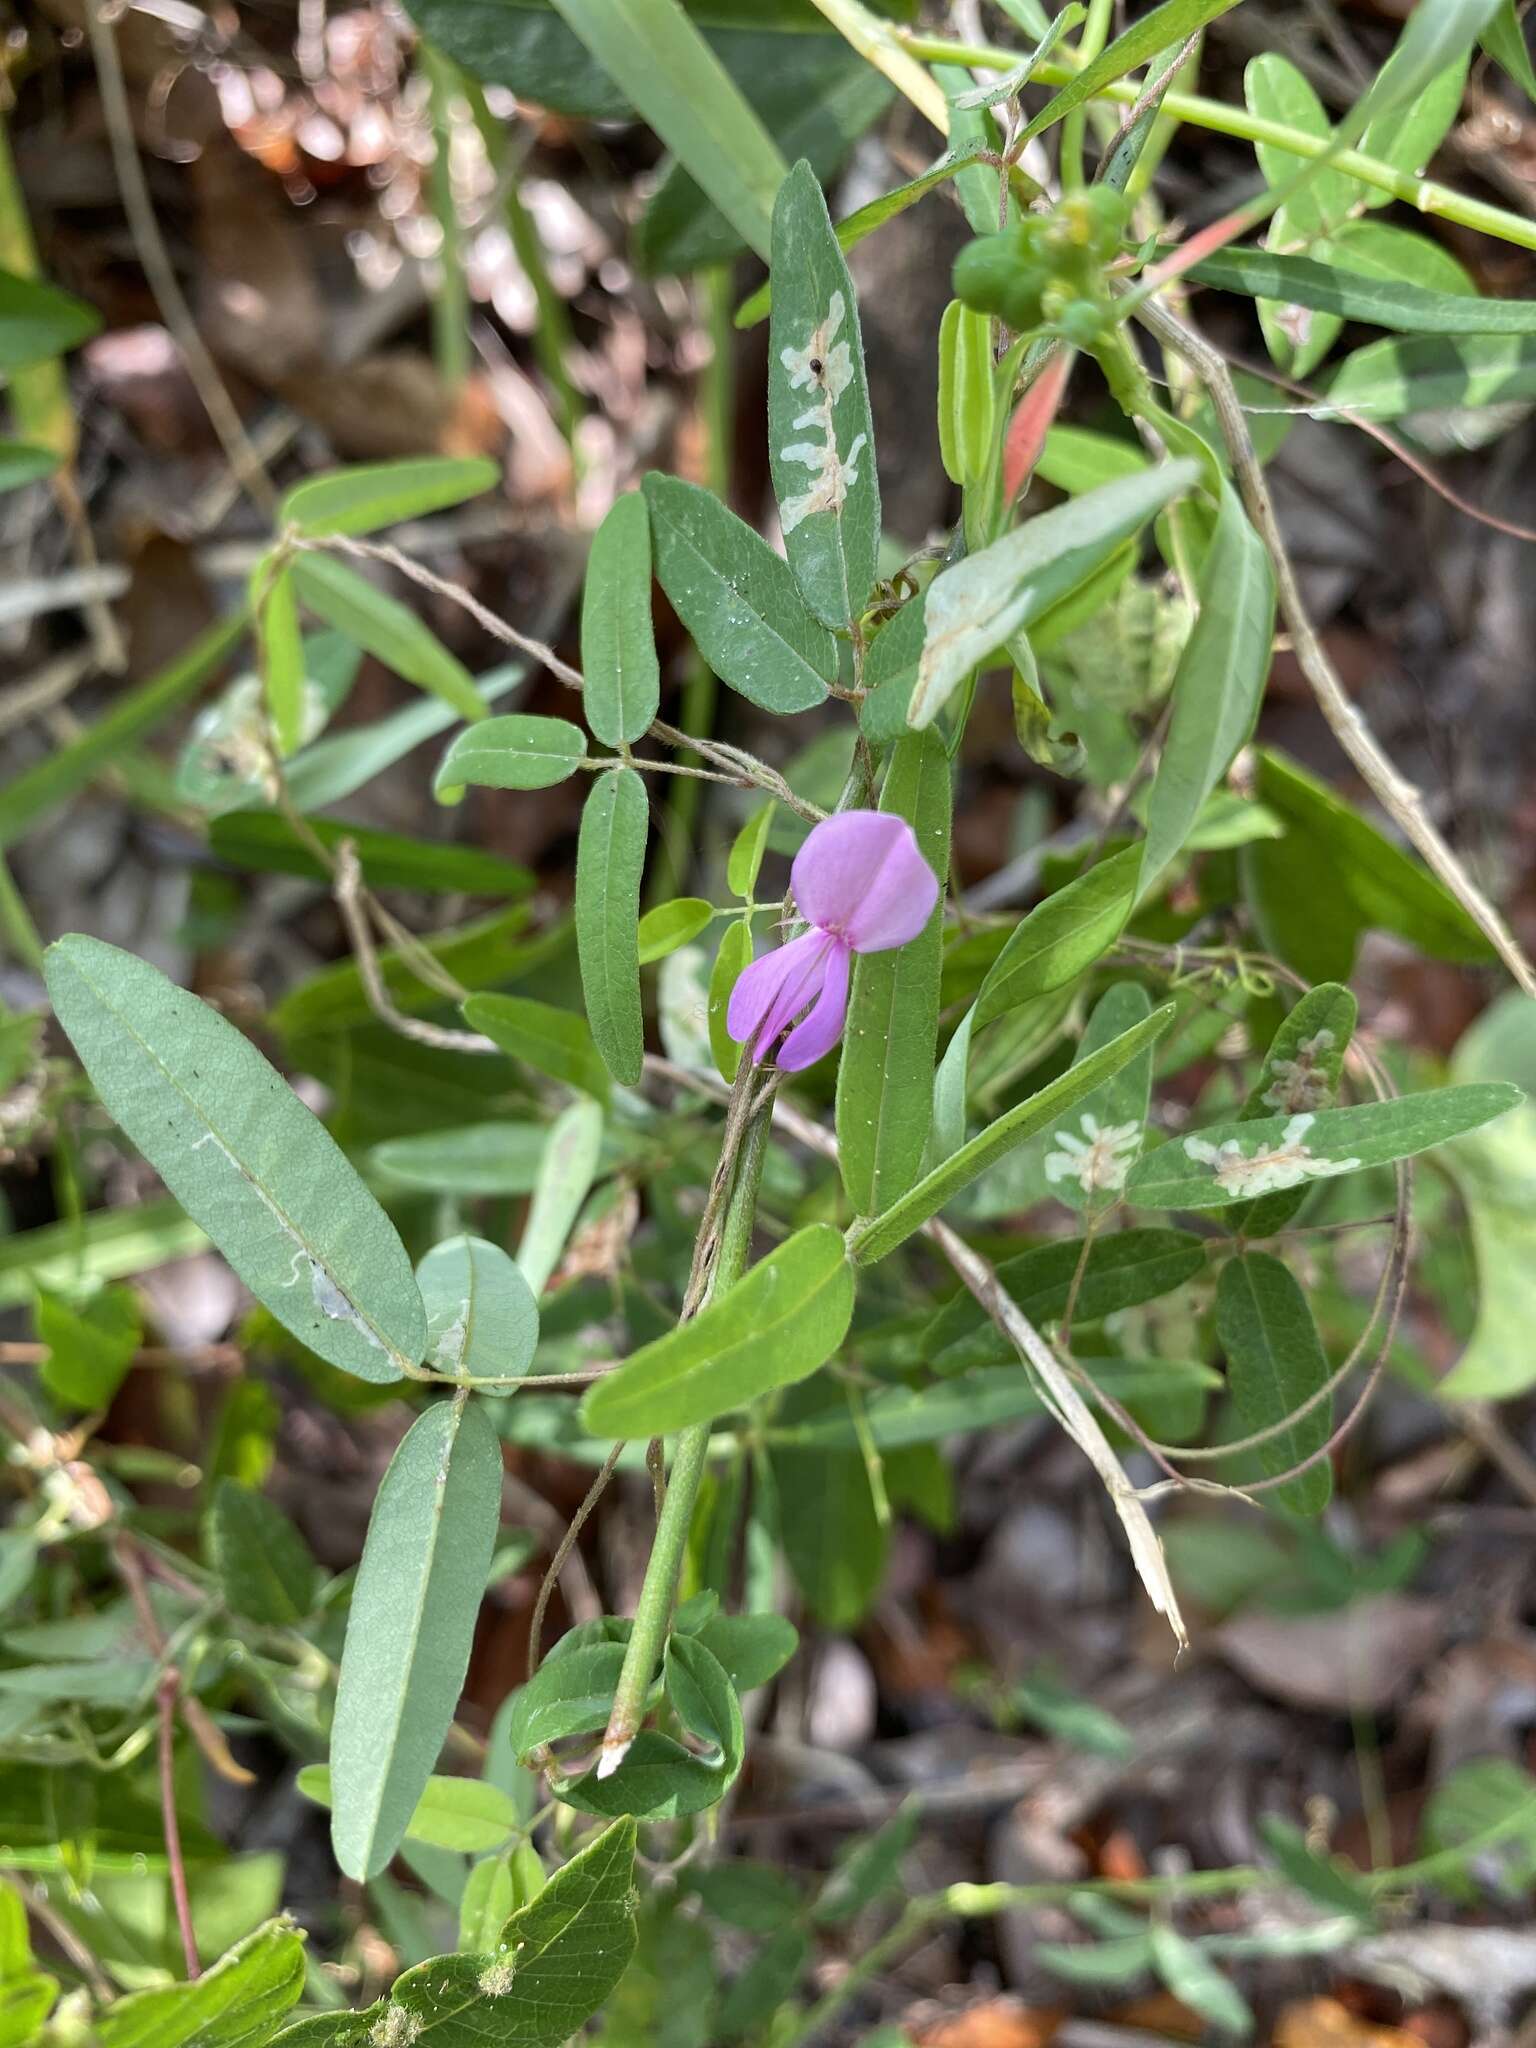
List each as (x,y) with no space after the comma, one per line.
(863,886)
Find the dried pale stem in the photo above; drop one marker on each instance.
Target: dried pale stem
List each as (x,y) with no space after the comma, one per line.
(157,265)
(1398,797)
(563,1549)
(165,1697)
(746,769)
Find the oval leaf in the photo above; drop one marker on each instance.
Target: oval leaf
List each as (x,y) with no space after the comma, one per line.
(557,1042)
(512,752)
(482,1320)
(1062,936)
(776,1325)
(1275,1362)
(738,599)
(247,1161)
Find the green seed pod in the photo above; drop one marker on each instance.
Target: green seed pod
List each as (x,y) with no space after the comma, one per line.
(1081,323)
(985,272)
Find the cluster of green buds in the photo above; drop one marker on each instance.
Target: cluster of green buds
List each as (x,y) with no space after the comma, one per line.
(1047,270)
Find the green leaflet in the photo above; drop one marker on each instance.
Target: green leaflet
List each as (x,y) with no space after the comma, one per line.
(332,768)
(745,860)
(738,599)
(266,842)
(1191,1976)
(566,1174)
(388,630)
(618,641)
(874,1240)
(885,1077)
(235,2004)
(1219,682)
(815,101)
(1302,1070)
(976,604)
(731,962)
(411,1625)
(1496,1173)
(22,463)
(1382,301)
(264,1564)
(571,1693)
(610,860)
(375,494)
(1171,23)
(660,1779)
(1225,1163)
(1365,872)
(1429,372)
(135,712)
(1275,1362)
(671,925)
(556,1961)
(91,1344)
(835,1544)
(779,1323)
(1087,1168)
(466,1814)
(866,219)
(967,403)
(482,1319)
(821,435)
(681,88)
(490,1158)
(246,1160)
(1062,936)
(511,752)
(1122,1270)
(898,1417)
(37,321)
(556,1042)
(282,654)
(1277,91)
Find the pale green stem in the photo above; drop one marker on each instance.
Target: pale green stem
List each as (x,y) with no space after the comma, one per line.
(1092,40)
(450,301)
(1423,194)
(653,1610)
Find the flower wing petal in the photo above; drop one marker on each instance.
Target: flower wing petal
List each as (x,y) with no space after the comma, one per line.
(821,1030)
(861,875)
(771,991)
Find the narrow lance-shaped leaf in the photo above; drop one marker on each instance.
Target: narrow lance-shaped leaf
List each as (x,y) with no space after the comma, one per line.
(566,1173)
(37,321)
(244,1157)
(821,435)
(1275,1363)
(1336,287)
(375,494)
(731,962)
(282,655)
(738,599)
(977,604)
(967,405)
(673,924)
(885,1078)
(779,1322)
(452,1813)
(871,1241)
(610,859)
(1165,25)
(680,86)
(618,640)
(411,1626)
(557,1042)
(388,630)
(1227,1163)
(482,1320)
(1218,684)
(1062,936)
